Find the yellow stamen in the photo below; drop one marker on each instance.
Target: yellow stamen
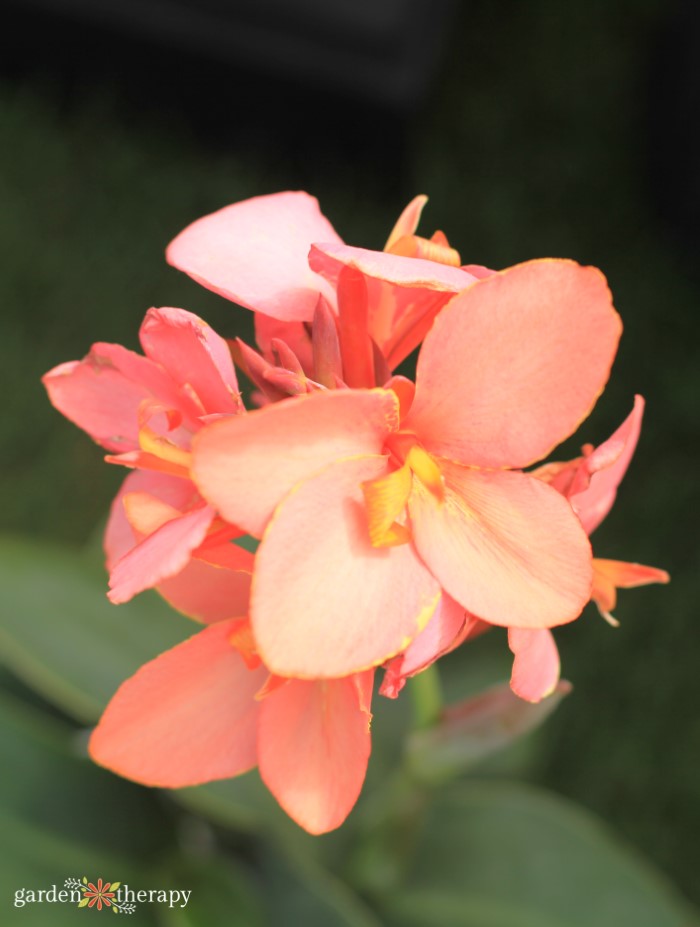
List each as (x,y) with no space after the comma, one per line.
(385,500)
(156,445)
(427,471)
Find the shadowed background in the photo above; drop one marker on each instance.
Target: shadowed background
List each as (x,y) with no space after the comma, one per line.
(534,131)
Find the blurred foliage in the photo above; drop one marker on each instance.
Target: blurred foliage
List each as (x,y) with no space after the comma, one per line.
(534,143)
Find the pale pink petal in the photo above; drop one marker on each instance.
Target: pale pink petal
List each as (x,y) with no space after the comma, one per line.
(119,535)
(193,354)
(161,555)
(102,393)
(536,665)
(255,253)
(313,748)
(607,465)
(325,602)
(247,464)
(434,640)
(187,717)
(514,364)
(405,294)
(506,546)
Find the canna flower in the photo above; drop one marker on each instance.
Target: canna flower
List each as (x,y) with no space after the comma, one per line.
(145,410)
(372,502)
(209,709)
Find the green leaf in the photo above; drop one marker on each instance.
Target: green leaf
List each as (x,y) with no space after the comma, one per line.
(222,892)
(504,855)
(473,729)
(299,891)
(83,903)
(62,815)
(61,635)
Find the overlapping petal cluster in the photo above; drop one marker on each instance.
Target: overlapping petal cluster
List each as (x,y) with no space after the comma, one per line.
(395,519)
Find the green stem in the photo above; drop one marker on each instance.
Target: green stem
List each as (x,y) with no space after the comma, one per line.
(427,697)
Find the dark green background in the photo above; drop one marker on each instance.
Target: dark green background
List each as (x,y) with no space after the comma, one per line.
(543,135)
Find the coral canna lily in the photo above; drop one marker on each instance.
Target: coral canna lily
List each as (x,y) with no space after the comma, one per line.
(370,502)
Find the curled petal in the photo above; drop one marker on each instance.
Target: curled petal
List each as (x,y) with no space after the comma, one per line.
(246,465)
(255,253)
(536,665)
(313,748)
(120,536)
(325,602)
(506,546)
(514,363)
(193,354)
(161,555)
(607,465)
(434,640)
(407,223)
(611,575)
(187,717)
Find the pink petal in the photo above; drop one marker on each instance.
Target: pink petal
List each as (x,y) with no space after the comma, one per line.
(433,641)
(187,717)
(405,294)
(161,555)
(313,748)
(193,354)
(120,537)
(325,602)
(294,334)
(102,393)
(607,465)
(504,545)
(255,253)
(514,364)
(246,465)
(536,665)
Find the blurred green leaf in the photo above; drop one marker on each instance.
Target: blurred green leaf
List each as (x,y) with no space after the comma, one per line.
(61,635)
(504,855)
(298,891)
(61,816)
(223,892)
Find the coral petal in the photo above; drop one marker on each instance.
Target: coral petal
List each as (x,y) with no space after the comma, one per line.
(187,717)
(607,465)
(539,339)
(506,546)
(161,555)
(102,393)
(325,602)
(192,353)
(433,641)
(255,253)
(120,537)
(536,665)
(313,748)
(246,465)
